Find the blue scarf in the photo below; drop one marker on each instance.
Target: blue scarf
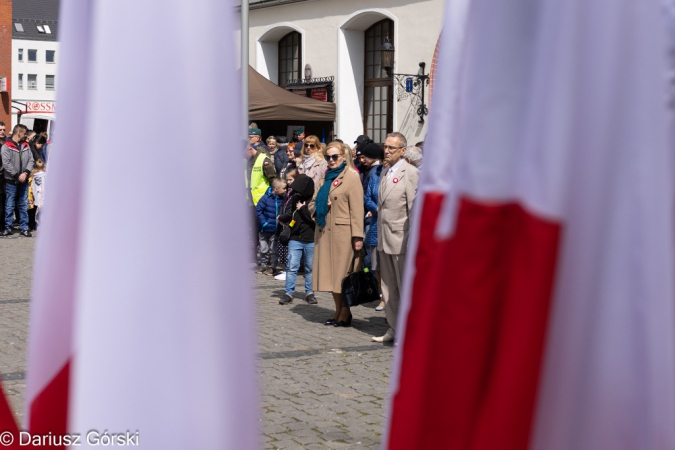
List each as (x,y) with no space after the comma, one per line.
(321,202)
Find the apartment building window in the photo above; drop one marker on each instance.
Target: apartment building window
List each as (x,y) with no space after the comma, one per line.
(32,55)
(378,117)
(32,81)
(50,56)
(20,54)
(20,81)
(49,82)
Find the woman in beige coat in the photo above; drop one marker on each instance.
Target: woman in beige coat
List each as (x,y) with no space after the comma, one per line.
(339,227)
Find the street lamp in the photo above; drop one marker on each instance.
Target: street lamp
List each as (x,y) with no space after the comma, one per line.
(387,56)
(407,85)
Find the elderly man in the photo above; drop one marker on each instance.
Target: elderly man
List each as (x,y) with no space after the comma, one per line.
(413,155)
(398,186)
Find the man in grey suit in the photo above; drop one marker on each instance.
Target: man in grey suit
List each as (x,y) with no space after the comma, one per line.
(398,186)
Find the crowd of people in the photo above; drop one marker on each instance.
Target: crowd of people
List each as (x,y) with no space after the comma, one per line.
(22,178)
(323,209)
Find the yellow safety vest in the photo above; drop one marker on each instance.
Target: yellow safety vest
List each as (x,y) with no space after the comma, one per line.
(258,183)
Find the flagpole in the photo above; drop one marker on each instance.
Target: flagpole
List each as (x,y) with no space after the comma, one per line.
(244,64)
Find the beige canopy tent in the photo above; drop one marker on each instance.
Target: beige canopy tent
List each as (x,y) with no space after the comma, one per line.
(267,101)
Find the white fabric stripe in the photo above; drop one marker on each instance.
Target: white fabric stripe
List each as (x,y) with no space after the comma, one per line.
(55,269)
(165,329)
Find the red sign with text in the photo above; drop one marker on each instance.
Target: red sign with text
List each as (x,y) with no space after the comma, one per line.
(320,94)
(41,107)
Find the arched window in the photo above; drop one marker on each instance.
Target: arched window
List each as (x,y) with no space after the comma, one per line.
(378,117)
(289,58)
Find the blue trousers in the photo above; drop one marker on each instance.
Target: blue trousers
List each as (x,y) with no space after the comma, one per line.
(16,194)
(296,250)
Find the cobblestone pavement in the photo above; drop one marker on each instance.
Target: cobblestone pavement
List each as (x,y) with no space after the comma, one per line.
(322,387)
(16,266)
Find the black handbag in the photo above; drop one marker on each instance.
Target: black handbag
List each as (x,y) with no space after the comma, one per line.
(359,287)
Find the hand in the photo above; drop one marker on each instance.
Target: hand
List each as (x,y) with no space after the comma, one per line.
(329,203)
(369,215)
(278,219)
(300,205)
(22,177)
(357,243)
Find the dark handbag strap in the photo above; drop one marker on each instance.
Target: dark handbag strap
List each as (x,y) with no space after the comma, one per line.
(356,254)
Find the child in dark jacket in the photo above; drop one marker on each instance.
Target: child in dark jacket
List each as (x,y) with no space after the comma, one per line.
(301,244)
(267,211)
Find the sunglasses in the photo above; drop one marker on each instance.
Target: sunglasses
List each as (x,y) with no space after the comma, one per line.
(311,145)
(333,157)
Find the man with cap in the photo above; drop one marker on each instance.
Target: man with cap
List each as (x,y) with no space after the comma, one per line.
(361,143)
(299,134)
(255,140)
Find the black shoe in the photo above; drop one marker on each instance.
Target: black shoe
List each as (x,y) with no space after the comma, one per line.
(25,233)
(311,299)
(344,323)
(286,300)
(330,322)
(6,232)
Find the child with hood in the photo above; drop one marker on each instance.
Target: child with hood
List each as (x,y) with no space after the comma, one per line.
(268,208)
(301,244)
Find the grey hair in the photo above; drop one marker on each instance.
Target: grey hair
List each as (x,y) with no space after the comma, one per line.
(413,155)
(401,138)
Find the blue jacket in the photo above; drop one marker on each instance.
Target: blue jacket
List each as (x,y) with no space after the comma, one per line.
(370,198)
(267,210)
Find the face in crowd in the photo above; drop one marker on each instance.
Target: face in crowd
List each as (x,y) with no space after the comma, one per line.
(334,157)
(301,136)
(3,131)
(272,145)
(393,150)
(253,139)
(311,146)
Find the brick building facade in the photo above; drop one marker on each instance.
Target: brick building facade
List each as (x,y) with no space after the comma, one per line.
(6,58)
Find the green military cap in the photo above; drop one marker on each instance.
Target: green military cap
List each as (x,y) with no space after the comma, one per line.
(254,131)
(299,131)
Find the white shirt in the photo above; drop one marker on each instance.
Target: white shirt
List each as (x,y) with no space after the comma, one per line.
(393,169)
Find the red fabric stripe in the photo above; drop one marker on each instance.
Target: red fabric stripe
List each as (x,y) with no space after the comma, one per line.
(476,329)
(7,424)
(49,410)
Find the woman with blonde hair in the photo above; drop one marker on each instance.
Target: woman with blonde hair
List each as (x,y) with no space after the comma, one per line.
(312,162)
(338,208)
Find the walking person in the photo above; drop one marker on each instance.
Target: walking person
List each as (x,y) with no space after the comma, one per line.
(17,163)
(398,187)
(339,227)
(301,245)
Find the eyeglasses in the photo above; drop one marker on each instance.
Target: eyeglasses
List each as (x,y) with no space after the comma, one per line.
(333,157)
(389,147)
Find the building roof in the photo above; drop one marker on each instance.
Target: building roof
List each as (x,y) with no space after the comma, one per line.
(31,13)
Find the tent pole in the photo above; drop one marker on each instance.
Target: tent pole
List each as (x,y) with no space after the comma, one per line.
(244,65)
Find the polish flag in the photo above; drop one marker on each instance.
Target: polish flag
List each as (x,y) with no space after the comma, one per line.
(143,321)
(539,307)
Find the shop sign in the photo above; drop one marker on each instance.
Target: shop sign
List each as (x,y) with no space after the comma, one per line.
(33,107)
(320,94)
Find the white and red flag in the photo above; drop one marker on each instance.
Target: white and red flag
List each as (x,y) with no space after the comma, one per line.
(539,308)
(142,319)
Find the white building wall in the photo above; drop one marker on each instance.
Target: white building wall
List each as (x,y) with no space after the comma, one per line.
(332,43)
(40,68)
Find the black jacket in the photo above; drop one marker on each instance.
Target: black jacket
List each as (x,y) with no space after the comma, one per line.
(303,191)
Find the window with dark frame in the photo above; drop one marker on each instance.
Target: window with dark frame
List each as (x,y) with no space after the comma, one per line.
(49,57)
(379,94)
(290,64)
(32,55)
